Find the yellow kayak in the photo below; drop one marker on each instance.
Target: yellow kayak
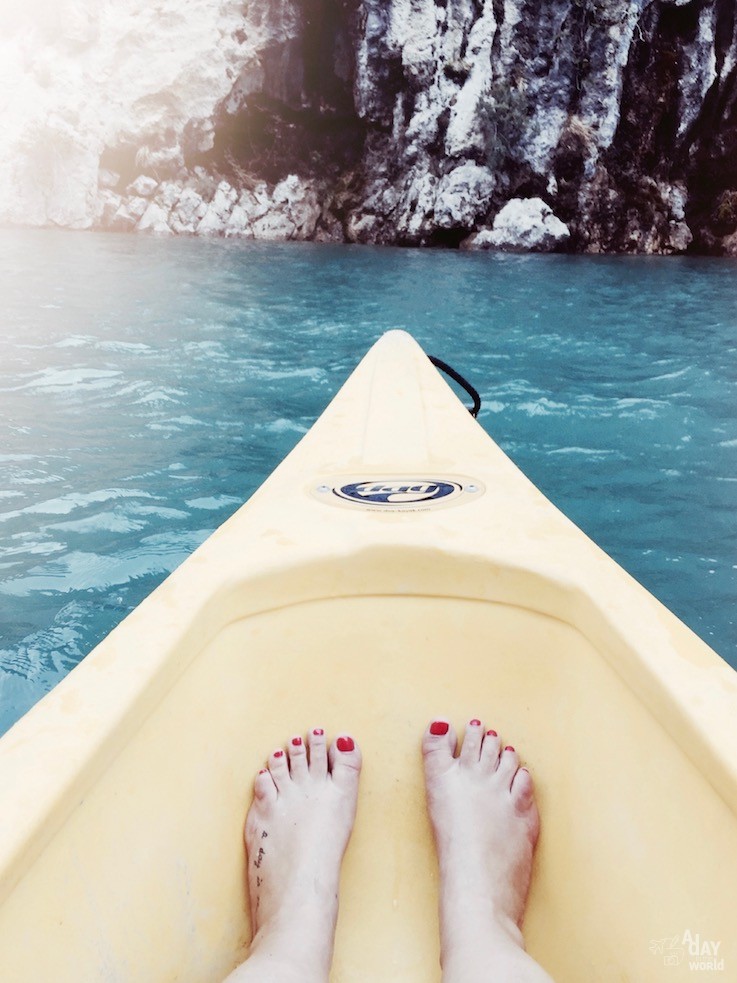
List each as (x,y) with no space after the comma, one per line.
(396,566)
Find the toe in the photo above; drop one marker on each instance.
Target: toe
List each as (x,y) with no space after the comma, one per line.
(522,793)
(490,750)
(297,759)
(263,788)
(318,753)
(345,762)
(438,747)
(279,769)
(508,765)
(472,740)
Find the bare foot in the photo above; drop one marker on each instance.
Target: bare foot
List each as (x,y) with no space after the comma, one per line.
(486,825)
(296,833)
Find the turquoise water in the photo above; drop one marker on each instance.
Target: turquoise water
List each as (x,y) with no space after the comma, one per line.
(148,386)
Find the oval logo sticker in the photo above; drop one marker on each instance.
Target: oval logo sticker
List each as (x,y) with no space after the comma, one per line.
(394,492)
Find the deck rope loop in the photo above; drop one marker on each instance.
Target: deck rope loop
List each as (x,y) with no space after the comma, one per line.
(463,383)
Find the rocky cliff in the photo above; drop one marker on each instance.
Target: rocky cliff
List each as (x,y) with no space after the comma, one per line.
(588,125)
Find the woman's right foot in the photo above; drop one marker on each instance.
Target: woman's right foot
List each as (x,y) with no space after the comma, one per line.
(485,822)
(297,830)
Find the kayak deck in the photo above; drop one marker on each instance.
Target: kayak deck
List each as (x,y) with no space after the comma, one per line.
(124,792)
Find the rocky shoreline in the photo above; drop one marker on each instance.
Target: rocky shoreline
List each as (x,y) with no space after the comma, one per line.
(578,125)
(198,205)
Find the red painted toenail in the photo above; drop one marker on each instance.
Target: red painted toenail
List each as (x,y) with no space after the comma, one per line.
(509,748)
(345,744)
(438,728)
(278,754)
(475,723)
(297,741)
(491,733)
(263,771)
(318,731)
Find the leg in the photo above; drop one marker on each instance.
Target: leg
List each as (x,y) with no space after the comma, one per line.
(297,830)
(485,824)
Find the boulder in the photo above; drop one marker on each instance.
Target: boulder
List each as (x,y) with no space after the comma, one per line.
(142,187)
(154,219)
(297,200)
(523,225)
(215,218)
(274,226)
(187,212)
(129,214)
(463,195)
(108,204)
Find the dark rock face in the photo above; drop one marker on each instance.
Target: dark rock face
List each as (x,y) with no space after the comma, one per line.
(420,121)
(676,125)
(291,109)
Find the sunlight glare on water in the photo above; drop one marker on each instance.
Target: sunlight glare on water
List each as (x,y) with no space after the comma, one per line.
(148,386)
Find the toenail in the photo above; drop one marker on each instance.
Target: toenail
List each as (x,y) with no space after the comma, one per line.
(475,723)
(491,733)
(438,728)
(278,754)
(297,741)
(345,744)
(509,748)
(318,731)
(263,771)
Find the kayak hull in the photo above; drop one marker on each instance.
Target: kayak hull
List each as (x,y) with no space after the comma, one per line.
(125,790)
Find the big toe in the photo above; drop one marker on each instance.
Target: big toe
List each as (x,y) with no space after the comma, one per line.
(523,796)
(345,762)
(438,747)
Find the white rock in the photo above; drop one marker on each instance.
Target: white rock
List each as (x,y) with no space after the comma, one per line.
(464,128)
(360,226)
(416,208)
(524,224)
(107,179)
(215,218)
(298,200)
(252,204)
(274,226)
(676,197)
(680,237)
(129,214)
(108,204)
(143,187)
(187,212)
(154,220)
(168,194)
(256,201)
(699,69)
(463,195)
(239,223)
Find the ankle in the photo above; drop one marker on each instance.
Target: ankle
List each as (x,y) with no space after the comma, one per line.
(266,963)
(302,939)
(480,945)
(475,920)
